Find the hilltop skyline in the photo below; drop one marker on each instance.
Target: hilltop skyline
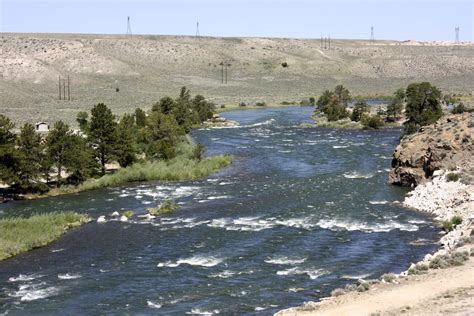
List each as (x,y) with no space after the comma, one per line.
(394,20)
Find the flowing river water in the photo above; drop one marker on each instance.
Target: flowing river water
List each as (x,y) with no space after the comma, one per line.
(300,212)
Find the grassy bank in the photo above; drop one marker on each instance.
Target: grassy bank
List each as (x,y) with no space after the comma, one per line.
(18,235)
(178,169)
(183,167)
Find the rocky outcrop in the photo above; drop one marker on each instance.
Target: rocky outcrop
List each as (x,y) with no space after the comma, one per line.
(445,199)
(447,144)
(219,121)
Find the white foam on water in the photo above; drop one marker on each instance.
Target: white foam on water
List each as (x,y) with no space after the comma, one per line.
(283,260)
(224,274)
(297,223)
(32,292)
(197,311)
(358,175)
(267,122)
(153,305)
(57,250)
(68,276)
(184,191)
(376,202)
(356,277)
(197,260)
(225,183)
(417,221)
(24,277)
(312,273)
(242,224)
(219,197)
(337,225)
(340,146)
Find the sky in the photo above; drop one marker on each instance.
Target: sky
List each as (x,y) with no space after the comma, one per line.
(349,19)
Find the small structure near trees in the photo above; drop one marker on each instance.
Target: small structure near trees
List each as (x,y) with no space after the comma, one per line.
(42,127)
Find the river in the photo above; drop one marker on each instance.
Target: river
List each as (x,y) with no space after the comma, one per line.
(300,212)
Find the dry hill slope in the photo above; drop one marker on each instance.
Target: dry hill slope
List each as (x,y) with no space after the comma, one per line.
(148,67)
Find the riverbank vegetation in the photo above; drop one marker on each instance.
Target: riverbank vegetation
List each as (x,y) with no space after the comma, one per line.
(142,146)
(418,105)
(167,207)
(18,234)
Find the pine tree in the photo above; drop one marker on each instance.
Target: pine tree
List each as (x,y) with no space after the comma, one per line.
(30,154)
(58,144)
(101,133)
(8,154)
(162,134)
(125,145)
(140,118)
(82,120)
(203,108)
(165,105)
(360,108)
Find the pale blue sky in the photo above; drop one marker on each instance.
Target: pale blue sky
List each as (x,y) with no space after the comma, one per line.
(400,20)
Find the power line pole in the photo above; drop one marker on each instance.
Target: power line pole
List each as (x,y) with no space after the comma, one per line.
(372,37)
(456,30)
(224,71)
(329,42)
(226,65)
(62,88)
(129,28)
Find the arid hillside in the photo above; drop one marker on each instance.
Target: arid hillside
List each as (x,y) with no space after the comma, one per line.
(128,73)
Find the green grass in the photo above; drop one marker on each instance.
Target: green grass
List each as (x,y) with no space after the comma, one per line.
(450,224)
(18,235)
(164,208)
(178,169)
(183,167)
(452,177)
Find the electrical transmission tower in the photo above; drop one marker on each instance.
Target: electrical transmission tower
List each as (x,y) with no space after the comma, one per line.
(456,30)
(372,37)
(197,29)
(129,28)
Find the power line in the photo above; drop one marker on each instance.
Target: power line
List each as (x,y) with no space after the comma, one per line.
(129,28)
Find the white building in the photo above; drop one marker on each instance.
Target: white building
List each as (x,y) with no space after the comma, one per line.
(42,127)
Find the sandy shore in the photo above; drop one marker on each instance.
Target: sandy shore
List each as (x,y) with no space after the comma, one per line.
(433,292)
(448,291)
